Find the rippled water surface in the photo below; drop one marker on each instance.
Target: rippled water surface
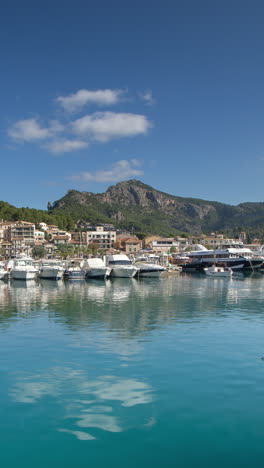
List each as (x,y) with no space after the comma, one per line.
(127,373)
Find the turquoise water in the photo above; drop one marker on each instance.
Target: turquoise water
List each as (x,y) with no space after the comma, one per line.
(159,372)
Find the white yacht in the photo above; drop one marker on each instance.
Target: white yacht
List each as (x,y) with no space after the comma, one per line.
(24,269)
(148,268)
(235,256)
(96,268)
(51,269)
(121,266)
(75,270)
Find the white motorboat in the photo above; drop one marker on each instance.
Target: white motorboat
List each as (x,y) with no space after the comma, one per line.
(121,266)
(217,271)
(148,268)
(51,269)
(75,271)
(24,269)
(96,268)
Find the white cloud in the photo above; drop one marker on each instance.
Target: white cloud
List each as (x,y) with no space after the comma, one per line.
(75,102)
(121,170)
(147,96)
(28,130)
(76,134)
(105,126)
(56,126)
(66,146)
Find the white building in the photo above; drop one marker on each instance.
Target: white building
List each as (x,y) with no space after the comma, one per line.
(39,236)
(104,239)
(43,226)
(164,245)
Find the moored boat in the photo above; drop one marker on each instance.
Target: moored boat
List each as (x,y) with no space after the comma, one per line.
(216,271)
(148,268)
(95,268)
(51,269)
(24,269)
(121,266)
(235,256)
(75,271)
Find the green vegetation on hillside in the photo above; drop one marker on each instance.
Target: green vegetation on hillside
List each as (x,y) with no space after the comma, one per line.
(11,213)
(139,208)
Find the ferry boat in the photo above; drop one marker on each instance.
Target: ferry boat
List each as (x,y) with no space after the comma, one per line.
(235,256)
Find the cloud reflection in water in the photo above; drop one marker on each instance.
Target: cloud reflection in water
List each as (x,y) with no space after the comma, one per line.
(89,412)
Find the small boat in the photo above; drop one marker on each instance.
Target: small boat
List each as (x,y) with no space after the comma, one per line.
(75,271)
(218,271)
(173,269)
(95,268)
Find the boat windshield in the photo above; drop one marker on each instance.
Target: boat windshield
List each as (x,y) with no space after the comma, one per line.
(23,263)
(120,262)
(50,264)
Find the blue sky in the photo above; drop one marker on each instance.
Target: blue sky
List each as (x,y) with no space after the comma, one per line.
(167,92)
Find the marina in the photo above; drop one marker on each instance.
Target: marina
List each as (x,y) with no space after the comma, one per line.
(132,235)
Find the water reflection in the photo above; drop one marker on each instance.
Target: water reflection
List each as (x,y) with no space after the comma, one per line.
(129,307)
(95,404)
(98,358)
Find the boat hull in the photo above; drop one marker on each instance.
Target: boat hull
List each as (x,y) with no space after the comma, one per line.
(74,275)
(23,275)
(150,271)
(122,272)
(253,264)
(218,272)
(234,265)
(150,274)
(51,273)
(97,273)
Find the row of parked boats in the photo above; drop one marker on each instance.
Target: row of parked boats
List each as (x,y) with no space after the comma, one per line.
(24,268)
(218,262)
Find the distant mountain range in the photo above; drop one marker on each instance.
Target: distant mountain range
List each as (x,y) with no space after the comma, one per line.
(136,206)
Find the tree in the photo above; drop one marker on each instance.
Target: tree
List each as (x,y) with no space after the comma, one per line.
(65,250)
(38,251)
(94,247)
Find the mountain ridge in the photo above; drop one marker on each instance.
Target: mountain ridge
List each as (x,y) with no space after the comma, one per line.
(135,204)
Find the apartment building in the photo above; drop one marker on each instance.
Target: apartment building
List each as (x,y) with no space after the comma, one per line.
(163,245)
(104,239)
(20,232)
